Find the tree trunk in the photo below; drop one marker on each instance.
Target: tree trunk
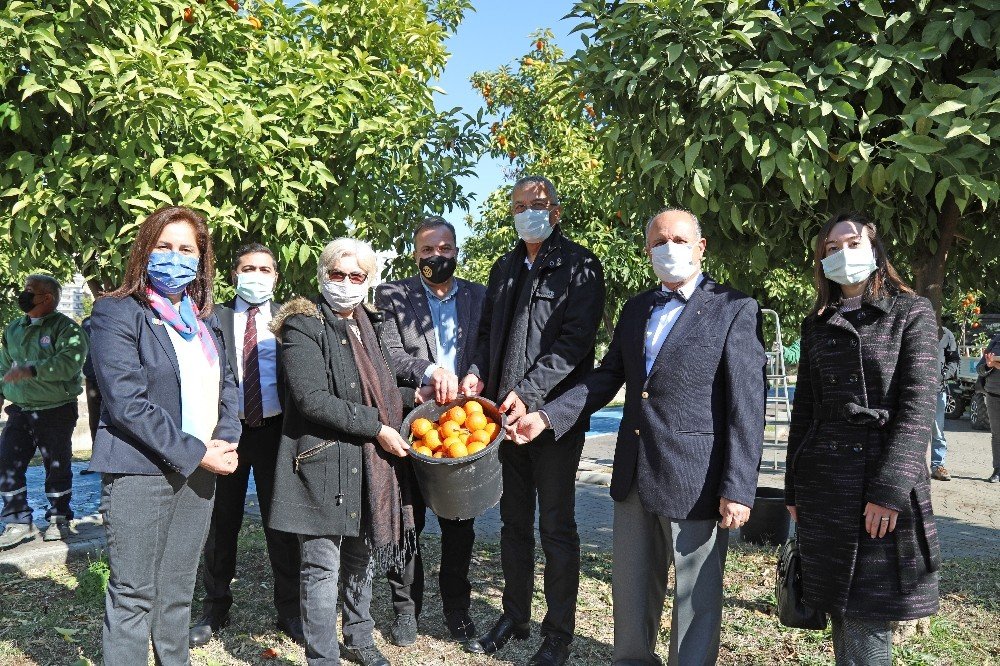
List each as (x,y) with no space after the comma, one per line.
(929,270)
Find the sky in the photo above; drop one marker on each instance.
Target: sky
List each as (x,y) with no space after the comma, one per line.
(493,35)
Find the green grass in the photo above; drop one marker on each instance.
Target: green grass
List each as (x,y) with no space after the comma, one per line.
(55,616)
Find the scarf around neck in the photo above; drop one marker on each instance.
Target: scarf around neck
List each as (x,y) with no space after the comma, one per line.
(184,320)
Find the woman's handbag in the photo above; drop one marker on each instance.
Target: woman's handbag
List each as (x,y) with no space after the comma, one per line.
(792,611)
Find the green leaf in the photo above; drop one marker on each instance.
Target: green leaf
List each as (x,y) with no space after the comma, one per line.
(949,106)
(917,143)
(157,165)
(70,86)
(872,7)
(940,192)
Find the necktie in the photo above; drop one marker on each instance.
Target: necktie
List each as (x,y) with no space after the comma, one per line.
(253,401)
(661,298)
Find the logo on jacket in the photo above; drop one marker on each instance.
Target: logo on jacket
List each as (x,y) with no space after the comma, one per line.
(45,341)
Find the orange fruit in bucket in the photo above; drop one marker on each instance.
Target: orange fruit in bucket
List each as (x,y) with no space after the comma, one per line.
(421,427)
(449,429)
(476,421)
(472,407)
(424,451)
(456,414)
(438,454)
(464,436)
(491,429)
(476,446)
(480,436)
(457,450)
(432,440)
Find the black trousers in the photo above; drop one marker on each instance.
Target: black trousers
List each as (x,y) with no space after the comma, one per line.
(49,431)
(258,452)
(457,540)
(94,401)
(542,471)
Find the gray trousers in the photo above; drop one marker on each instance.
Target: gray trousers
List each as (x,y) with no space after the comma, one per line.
(327,563)
(644,546)
(155,527)
(861,642)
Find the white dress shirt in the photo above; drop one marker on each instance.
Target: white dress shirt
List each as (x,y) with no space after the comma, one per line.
(199,386)
(267,355)
(663,318)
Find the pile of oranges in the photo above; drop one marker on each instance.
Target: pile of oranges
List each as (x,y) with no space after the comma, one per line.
(459,432)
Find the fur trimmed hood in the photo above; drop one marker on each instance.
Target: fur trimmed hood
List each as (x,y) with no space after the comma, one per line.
(297,306)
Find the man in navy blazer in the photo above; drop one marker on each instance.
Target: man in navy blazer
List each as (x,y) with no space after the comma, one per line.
(689,446)
(430,327)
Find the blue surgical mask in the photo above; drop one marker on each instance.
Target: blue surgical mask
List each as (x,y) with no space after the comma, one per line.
(533,225)
(170,272)
(255,288)
(851,265)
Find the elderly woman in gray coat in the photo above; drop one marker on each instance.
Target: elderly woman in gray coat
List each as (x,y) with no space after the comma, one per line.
(340,483)
(857,482)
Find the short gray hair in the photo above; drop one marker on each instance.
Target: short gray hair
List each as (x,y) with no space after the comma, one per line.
(550,189)
(51,284)
(342,247)
(675,209)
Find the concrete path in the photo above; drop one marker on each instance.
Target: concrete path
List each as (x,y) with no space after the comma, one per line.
(967,508)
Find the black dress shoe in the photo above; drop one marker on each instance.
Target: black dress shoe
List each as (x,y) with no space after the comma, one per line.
(292,627)
(203,630)
(498,636)
(366,656)
(995,478)
(460,624)
(554,652)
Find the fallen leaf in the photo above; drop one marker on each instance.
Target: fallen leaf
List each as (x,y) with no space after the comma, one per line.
(269,653)
(67,634)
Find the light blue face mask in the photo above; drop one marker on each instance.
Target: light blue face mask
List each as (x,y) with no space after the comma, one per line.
(533,225)
(254,288)
(171,272)
(851,265)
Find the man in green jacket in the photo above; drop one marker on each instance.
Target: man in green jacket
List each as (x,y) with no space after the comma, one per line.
(40,362)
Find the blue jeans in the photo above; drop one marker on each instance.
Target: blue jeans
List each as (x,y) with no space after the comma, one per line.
(939,447)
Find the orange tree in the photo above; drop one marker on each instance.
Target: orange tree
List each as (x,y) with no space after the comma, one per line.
(540,134)
(284,124)
(766,116)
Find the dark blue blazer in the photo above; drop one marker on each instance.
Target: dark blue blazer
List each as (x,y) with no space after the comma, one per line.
(137,370)
(693,429)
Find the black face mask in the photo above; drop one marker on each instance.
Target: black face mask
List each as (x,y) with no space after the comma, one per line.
(26,301)
(437,269)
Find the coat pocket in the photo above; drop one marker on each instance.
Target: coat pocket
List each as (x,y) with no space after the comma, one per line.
(310,455)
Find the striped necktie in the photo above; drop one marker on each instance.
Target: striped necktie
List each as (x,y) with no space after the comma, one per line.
(253,400)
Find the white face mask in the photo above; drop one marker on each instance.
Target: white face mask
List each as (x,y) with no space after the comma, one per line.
(851,265)
(254,288)
(673,262)
(533,225)
(344,296)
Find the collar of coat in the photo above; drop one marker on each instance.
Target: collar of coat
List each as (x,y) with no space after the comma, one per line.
(310,308)
(884,304)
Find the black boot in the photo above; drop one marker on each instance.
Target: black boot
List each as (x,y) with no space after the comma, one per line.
(498,636)
(554,652)
(209,625)
(460,624)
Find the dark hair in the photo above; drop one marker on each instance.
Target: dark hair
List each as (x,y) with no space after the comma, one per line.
(253,248)
(885,281)
(434,222)
(136,281)
(550,189)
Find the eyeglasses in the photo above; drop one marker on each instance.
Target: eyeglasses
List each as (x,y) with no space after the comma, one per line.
(538,204)
(338,276)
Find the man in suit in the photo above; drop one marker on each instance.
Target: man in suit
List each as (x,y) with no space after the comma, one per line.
(543,305)
(252,352)
(689,445)
(431,320)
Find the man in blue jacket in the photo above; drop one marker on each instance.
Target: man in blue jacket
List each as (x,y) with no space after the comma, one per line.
(689,446)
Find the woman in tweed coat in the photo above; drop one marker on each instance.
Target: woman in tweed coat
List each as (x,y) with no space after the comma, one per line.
(857,482)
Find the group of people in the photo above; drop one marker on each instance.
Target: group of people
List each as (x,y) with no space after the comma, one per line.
(310,396)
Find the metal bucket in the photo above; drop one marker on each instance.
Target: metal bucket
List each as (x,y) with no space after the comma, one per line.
(459,488)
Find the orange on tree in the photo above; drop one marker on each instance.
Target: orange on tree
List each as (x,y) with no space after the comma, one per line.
(421,427)
(255,22)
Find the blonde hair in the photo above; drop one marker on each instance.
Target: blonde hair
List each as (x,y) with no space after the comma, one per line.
(342,247)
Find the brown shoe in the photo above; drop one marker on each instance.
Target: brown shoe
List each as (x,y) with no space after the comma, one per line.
(940,473)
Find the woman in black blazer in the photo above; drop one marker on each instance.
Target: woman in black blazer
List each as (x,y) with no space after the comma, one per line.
(167,427)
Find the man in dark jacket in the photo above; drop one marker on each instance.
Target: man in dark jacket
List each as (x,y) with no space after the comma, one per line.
(252,353)
(689,445)
(40,364)
(536,338)
(430,324)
